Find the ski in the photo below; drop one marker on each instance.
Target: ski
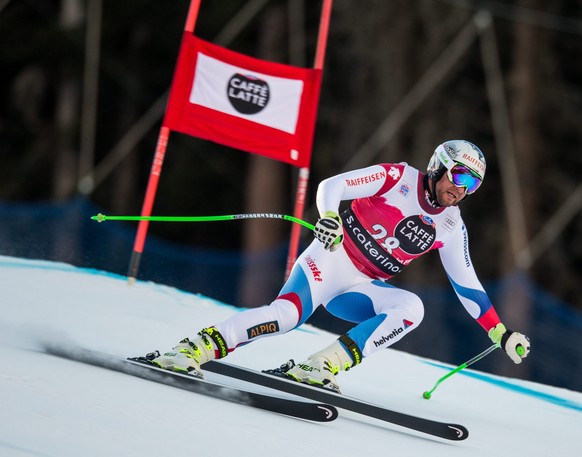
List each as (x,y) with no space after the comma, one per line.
(288,407)
(449,431)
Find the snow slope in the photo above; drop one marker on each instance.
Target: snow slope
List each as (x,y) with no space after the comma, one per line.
(54,407)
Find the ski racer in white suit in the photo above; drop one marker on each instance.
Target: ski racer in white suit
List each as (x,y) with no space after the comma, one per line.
(397,214)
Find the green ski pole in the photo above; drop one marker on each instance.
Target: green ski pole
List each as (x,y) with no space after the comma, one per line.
(478,357)
(102,218)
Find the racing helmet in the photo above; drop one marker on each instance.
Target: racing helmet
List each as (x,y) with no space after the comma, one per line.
(463,161)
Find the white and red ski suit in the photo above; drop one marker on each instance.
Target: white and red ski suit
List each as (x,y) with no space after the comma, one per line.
(390,223)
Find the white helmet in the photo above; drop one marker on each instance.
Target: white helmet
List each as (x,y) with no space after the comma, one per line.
(456,152)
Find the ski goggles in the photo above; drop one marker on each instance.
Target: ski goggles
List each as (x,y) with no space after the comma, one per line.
(462,176)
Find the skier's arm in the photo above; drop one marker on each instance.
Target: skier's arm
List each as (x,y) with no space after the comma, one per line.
(457,263)
(361,183)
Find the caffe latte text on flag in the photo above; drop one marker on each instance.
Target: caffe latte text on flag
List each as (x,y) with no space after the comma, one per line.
(245,103)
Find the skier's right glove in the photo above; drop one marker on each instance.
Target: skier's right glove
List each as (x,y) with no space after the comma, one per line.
(515,344)
(329,230)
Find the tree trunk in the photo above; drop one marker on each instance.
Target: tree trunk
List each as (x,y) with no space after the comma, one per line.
(67,113)
(266,191)
(525,92)
(66,244)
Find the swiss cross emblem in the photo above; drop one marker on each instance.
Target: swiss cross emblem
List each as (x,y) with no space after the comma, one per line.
(394,173)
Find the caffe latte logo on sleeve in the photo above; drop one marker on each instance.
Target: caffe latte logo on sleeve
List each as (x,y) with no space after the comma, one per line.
(247,94)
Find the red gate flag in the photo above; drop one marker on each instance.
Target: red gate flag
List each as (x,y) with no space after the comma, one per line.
(245,103)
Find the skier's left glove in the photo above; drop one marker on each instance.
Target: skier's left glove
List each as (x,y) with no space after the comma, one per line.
(329,230)
(516,345)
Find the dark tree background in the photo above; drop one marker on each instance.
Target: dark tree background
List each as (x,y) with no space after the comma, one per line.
(400,77)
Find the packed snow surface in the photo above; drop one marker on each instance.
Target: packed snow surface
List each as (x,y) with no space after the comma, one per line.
(55,407)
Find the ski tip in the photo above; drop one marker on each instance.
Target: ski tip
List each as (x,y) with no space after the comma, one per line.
(458,432)
(329,413)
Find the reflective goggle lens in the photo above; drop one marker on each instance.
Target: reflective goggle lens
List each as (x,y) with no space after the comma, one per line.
(461,176)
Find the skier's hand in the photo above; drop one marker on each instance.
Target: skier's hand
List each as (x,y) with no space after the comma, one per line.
(329,230)
(516,345)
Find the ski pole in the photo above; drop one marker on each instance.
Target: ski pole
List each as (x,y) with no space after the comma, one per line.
(478,357)
(102,218)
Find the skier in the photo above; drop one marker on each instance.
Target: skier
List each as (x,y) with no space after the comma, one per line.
(397,214)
